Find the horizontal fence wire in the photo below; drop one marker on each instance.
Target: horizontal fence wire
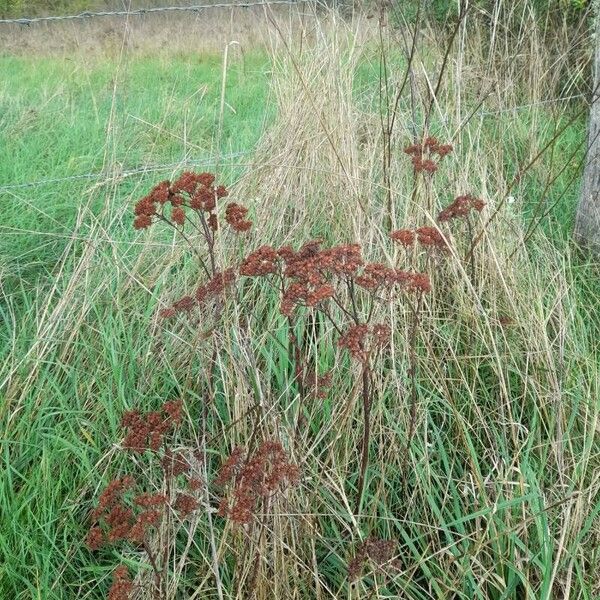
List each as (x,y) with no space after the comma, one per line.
(531,105)
(141,170)
(147,11)
(116,175)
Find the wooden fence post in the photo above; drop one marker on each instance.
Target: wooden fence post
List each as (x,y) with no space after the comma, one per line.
(587,222)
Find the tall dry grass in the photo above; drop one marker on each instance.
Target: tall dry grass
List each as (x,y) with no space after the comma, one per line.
(499,496)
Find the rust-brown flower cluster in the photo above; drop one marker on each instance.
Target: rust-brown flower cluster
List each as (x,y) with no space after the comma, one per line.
(375,276)
(429,238)
(121,515)
(316,385)
(146,431)
(362,340)
(125,512)
(261,262)
(414,282)
(214,288)
(308,272)
(172,202)
(304,272)
(235,215)
(310,275)
(122,587)
(253,479)
(460,208)
(423,154)
(380,552)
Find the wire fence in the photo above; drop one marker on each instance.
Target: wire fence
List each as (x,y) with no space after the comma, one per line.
(117,175)
(531,105)
(147,11)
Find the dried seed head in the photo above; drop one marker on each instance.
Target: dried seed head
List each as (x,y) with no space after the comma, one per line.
(253,479)
(146,431)
(376,276)
(191,190)
(406,237)
(354,339)
(178,215)
(261,262)
(142,222)
(460,208)
(95,538)
(150,500)
(361,340)
(431,237)
(230,467)
(185,505)
(235,215)
(377,550)
(422,154)
(122,587)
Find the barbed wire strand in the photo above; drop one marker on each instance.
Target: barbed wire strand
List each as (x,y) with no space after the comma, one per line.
(146,11)
(531,105)
(210,161)
(116,175)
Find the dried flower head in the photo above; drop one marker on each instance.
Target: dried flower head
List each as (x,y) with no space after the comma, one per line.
(308,273)
(254,479)
(235,215)
(215,287)
(167,313)
(231,467)
(422,154)
(376,276)
(194,484)
(122,515)
(377,550)
(142,222)
(413,282)
(430,237)
(362,340)
(174,409)
(185,504)
(194,191)
(122,587)
(95,538)
(345,259)
(461,207)
(174,463)
(113,493)
(406,237)
(146,431)
(187,182)
(261,262)
(178,215)
(317,385)
(147,500)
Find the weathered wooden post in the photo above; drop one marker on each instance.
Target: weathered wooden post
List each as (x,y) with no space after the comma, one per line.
(587,222)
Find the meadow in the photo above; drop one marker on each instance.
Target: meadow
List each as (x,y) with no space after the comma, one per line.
(484,455)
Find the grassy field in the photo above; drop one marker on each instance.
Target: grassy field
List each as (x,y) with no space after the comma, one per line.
(498,497)
(66,119)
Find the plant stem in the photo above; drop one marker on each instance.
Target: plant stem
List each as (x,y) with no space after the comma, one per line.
(412,370)
(158,580)
(364,461)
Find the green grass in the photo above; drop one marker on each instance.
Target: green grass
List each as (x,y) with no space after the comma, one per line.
(61,118)
(483,504)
